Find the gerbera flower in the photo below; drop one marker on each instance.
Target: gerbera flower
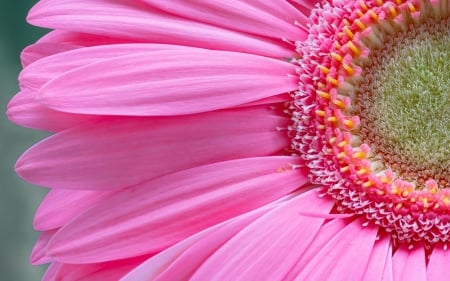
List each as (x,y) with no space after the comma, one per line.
(239,140)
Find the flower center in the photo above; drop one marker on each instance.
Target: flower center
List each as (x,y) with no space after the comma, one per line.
(404,101)
(371,117)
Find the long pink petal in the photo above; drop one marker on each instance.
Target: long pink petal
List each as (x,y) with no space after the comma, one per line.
(380,262)
(162,83)
(38,254)
(345,257)
(281,235)
(51,272)
(107,271)
(138,22)
(326,233)
(186,256)
(277,20)
(162,212)
(438,265)
(35,75)
(126,151)
(37,51)
(62,205)
(409,265)
(25,111)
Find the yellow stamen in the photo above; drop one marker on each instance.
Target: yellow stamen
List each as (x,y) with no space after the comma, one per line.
(332,119)
(320,113)
(373,15)
(344,169)
(332,81)
(339,104)
(348,32)
(341,155)
(350,71)
(367,184)
(349,123)
(323,94)
(359,155)
(342,143)
(337,45)
(393,11)
(361,25)
(363,5)
(354,49)
(336,57)
(425,202)
(324,69)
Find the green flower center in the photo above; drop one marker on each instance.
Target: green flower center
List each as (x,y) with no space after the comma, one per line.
(406,103)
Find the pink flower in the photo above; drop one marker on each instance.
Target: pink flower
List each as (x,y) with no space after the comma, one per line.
(239,140)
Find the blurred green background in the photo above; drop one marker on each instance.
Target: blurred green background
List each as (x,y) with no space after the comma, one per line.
(19,200)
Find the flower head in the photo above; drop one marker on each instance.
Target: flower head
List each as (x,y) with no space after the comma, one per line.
(206,140)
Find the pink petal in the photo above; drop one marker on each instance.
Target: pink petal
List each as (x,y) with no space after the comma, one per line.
(25,111)
(326,233)
(409,265)
(304,6)
(186,256)
(263,18)
(52,270)
(439,264)
(164,211)
(107,271)
(157,83)
(37,74)
(138,22)
(37,51)
(345,257)
(61,206)
(380,262)
(280,235)
(38,254)
(95,156)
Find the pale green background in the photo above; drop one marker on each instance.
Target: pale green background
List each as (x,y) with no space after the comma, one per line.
(18,200)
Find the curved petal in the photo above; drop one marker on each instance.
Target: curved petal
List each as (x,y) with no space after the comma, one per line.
(38,254)
(164,83)
(232,251)
(409,265)
(35,75)
(164,211)
(123,152)
(438,265)
(193,251)
(38,51)
(24,110)
(380,262)
(345,257)
(62,205)
(140,23)
(51,271)
(326,233)
(282,234)
(276,19)
(107,271)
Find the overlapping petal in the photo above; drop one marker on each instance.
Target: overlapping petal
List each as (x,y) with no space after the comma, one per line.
(138,22)
(151,216)
(122,152)
(169,82)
